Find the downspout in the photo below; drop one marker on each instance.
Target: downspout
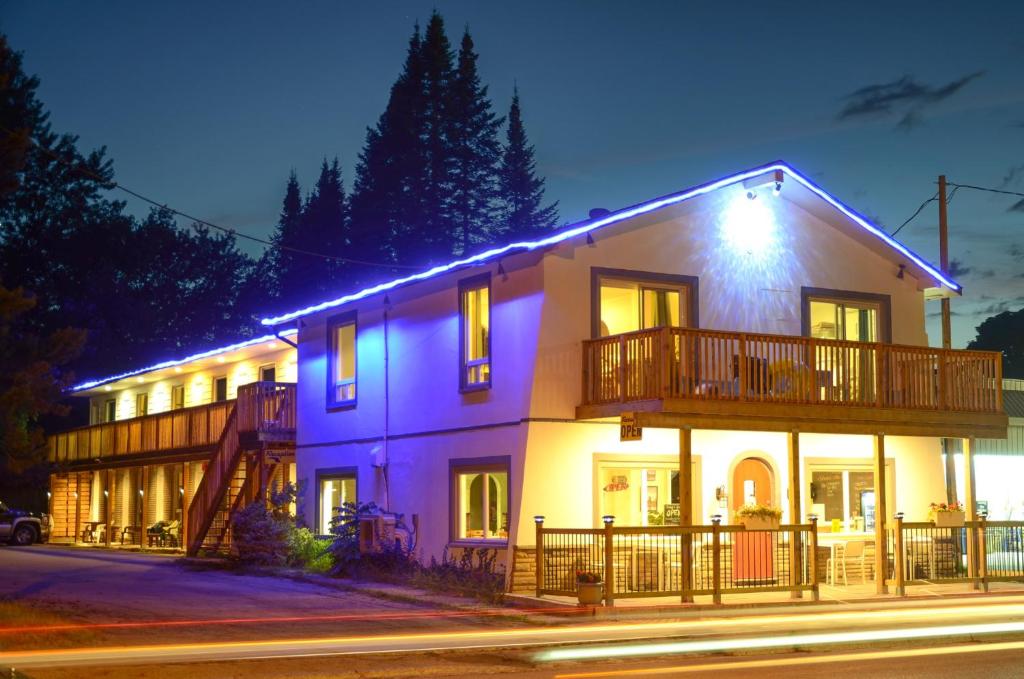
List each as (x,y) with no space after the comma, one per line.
(387,405)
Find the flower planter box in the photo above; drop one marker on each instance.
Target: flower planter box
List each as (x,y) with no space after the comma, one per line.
(590,593)
(948,519)
(759,523)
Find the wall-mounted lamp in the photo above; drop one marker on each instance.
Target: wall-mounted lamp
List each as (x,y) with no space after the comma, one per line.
(777,190)
(899,274)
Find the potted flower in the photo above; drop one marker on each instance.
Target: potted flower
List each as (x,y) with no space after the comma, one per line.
(946,515)
(589,588)
(759,517)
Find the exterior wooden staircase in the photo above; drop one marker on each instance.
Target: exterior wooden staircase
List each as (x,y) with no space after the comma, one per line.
(263,418)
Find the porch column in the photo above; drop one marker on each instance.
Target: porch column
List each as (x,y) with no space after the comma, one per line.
(685,506)
(185,500)
(144,500)
(794,512)
(78,507)
(108,488)
(881,513)
(970,507)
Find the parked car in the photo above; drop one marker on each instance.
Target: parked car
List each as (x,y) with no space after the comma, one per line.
(20,527)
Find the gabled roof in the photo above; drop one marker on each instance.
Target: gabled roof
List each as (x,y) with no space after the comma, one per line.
(870,230)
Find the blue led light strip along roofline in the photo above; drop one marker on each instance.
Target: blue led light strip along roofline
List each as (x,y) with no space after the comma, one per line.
(619,216)
(181,361)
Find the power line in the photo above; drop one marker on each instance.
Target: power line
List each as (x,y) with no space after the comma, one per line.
(196,220)
(916,213)
(985,188)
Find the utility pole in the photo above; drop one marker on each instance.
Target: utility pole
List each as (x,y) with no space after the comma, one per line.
(947,447)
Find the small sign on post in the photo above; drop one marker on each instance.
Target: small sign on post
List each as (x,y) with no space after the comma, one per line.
(629,430)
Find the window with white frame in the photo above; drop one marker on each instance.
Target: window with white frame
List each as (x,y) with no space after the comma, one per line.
(626,305)
(336,489)
(141,404)
(177,397)
(475,323)
(341,386)
(481,502)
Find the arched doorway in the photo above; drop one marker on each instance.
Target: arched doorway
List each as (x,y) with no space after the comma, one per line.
(752,483)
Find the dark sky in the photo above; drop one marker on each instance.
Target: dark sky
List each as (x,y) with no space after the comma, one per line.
(207,106)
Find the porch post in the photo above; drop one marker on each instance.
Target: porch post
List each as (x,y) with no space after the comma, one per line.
(78,507)
(881,512)
(685,508)
(144,500)
(795,571)
(109,488)
(185,499)
(970,508)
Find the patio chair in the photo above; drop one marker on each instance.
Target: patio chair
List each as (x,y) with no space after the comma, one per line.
(170,534)
(855,549)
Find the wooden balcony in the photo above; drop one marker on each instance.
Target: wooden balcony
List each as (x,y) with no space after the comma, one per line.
(266,412)
(676,377)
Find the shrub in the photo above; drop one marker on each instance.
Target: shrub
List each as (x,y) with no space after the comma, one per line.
(259,537)
(305,550)
(473,573)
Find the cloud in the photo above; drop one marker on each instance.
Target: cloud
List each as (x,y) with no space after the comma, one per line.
(905,97)
(957,268)
(1017,207)
(1017,252)
(1013,175)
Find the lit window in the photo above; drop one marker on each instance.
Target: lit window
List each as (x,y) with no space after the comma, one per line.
(178,397)
(335,491)
(341,387)
(111,410)
(475,314)
(482,504)
(141,405)
(626,306)
(844,321)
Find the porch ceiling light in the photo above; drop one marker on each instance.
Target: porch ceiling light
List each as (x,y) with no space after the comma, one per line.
(771,173)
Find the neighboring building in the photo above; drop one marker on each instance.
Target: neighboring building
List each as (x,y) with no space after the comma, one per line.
(999,463)
(152,434)
(769,341)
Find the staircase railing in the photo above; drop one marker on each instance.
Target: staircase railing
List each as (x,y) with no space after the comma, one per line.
(210,492)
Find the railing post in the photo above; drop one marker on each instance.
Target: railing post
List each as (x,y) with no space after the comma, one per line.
(609,560)
(585,391)
(741,375)
(899,556)
(980,551)
(622,368)
(943,378)
(716,558)
(812,558)
(539,554)
(667,372)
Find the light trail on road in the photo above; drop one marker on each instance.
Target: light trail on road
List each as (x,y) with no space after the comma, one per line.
(778,641)
(861,657)
(894,619)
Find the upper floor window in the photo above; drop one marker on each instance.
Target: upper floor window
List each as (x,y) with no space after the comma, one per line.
(341,351)
(178,397)
(220,389)
(110,410)
(628,301)
(268,373)
(844,315)
(475,326)
(141,405)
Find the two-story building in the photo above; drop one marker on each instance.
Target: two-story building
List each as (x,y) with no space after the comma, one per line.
(767,340)
(749,340)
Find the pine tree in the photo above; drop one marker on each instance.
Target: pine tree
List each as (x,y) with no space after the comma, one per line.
(475,153)
(390,173)
(323,229)
(522,191)
(283,263)
(434,228)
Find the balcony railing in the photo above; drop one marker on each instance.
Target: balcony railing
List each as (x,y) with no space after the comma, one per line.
(263,407)
(684,363)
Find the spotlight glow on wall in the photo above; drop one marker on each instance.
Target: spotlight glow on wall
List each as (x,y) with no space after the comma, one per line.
(748,227)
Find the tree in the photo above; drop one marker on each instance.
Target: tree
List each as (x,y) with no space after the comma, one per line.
(522,191)
(475,155)
(324,230)
(1004,333)
(20,114)
(390,174)
(32,379)
(283,262)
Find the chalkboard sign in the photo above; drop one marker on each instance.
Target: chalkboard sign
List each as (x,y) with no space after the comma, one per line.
(672,514)
(827,490)
(860,482)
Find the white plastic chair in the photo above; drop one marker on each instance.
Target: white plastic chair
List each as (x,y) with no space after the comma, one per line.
(855,549)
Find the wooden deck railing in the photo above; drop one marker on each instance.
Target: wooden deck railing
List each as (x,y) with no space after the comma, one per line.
(185,428)
(684,363)
(682,561)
